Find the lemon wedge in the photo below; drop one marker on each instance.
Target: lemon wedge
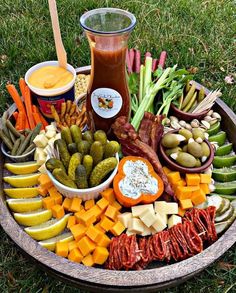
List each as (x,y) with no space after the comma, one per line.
(22,168)
(21,192)
(48,229)
(22,180)
(33,218)
(24,205)
(50,244)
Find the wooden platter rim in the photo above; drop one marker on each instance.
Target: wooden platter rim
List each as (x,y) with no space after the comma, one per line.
(92,278)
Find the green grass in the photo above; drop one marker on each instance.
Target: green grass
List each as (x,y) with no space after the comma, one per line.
(196,33)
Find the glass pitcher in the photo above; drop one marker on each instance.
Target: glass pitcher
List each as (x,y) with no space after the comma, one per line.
(108,97)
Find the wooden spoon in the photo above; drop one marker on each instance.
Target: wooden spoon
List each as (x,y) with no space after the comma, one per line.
(61,52)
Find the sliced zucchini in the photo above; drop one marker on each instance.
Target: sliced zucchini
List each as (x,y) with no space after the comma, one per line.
(221,226)
(226,215)
(225,207)
(233,203)
(216,201)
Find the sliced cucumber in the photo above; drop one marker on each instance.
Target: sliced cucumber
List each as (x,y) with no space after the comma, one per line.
(216,201)
(226,215)
(226,206)
(221,226)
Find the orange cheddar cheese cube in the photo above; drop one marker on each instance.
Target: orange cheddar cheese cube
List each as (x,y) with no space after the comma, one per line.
(72,245)
(89,204)
(86,245)
(181,212)
(98,226)
(57,198)
(53,191)
(108,194)
(88,260)
(186,204)
(205,188)
(78,214)
(183,192)
(117,229)
(173,177)
(181,182)
(87,218)
(116,205)
(100,255)
(75,255)
(96,211)
(166,170)
(106,223)
(205,178)
(42,191)
(78,231)
(48,202)
(67,203)
(192,179)
(104,241)
(58,211)
(62,249)
(76,204)
(71,222)
(198,197)
(93,233)
(103,203)
(111,212)
(45,181)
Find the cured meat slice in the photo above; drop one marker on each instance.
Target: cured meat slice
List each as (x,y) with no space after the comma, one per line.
(144,254)
(176,232)
(212,213)
(194,241)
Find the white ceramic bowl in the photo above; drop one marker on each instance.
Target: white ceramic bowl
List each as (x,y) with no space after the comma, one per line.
(50,92)
(87,193)
(22,158)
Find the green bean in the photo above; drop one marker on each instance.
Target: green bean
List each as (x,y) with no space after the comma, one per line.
(6,140)
(24,145)
(12,129)
(29,148)
(15,147)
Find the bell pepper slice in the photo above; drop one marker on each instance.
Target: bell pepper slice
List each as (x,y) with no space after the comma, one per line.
(126,199)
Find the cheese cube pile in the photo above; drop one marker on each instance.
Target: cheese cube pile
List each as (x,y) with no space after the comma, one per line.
(44,142)
(149,219)
(191,190)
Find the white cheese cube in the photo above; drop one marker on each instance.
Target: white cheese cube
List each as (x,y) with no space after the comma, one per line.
(136,225)
(174,220)
(124,218)
(51,127)
(38,152)
(137,210)
(50,133)
(159,224)
(47,150)
(160,207)
(172,208)
(129,232)
(164,217)
(43,169)
(147,231)
(58,136)
(41,141)
(148,218)
(168,208)
(41,159)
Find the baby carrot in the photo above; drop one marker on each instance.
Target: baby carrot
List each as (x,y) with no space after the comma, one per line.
(28,105)
(22,86)
(15,115)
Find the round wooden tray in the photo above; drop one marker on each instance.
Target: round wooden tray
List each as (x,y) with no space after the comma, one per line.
(95,279)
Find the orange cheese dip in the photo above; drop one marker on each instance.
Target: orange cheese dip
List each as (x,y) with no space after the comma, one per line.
(50,77)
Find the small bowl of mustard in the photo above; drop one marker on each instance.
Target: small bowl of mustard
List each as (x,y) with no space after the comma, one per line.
(51,84)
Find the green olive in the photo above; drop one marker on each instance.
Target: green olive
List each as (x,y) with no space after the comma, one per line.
(173,150)
(186,160)
(185,148)
(186,133)
(197,132)
(195,149)
(171,140)
(205,149)
(198,163)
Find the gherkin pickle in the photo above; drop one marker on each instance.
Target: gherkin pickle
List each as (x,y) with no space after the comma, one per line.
(111,148)
(66,135)
(96,151)
(63,178)
(54,163)
(88,135)
(88,164)
(75,160)
(81,177)
(101,136)
(63,152)
(76,133)
(83,147)
(72,148)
